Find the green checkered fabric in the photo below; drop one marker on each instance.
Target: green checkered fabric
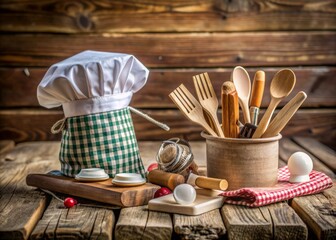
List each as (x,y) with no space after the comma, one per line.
(104,140)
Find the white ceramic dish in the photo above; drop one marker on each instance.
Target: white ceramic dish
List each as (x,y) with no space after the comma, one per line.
(91,174)
(128,180)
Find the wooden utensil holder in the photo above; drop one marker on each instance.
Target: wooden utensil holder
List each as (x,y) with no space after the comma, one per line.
(243,162)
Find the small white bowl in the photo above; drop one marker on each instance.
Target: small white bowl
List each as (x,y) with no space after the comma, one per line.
(128,179)
(184,194)
(91,174)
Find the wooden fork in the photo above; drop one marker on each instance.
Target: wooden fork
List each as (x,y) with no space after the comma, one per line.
(208,99)
(190,107)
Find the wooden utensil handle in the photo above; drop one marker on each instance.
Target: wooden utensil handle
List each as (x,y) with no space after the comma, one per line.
(233,114)
(246,112)
(284,115)
(206,126)
(211,183)
(266,118)
(225,115)
(165,179)
(257,89)
(214,119)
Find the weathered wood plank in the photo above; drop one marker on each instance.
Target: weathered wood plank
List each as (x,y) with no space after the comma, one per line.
(190,50)
(24,159)
(79,222)
(315,81)
(205,226)
(158,226)
(319,150)
(28,125)
(246,223)
(131,223)
(177,15)
(139,223)
(275,221)
(288,147)
(19,213)
(318,212)
(17,222)
(286,223)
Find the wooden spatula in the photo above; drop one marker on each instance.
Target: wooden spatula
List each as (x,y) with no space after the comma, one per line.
(208,99)
(284,115)
(190,107)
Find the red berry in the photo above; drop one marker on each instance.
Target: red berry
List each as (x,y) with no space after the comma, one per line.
(161,192)
(152,167)
(70,202)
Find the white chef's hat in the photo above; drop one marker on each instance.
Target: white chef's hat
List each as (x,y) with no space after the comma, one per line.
(92,82)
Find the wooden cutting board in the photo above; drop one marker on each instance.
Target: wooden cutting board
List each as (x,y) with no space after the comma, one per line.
(103,191)
(206,200)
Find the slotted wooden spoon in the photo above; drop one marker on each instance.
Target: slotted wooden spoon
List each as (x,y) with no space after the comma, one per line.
(190,107)
(282,85)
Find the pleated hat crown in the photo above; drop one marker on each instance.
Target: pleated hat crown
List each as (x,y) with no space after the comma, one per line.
(92,82)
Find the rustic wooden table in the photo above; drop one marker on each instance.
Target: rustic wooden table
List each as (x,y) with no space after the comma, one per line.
(30,213)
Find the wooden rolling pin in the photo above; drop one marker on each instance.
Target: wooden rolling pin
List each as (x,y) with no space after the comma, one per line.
(207,182)
(165,179)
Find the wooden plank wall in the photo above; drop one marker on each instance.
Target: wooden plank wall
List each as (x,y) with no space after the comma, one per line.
(175,39)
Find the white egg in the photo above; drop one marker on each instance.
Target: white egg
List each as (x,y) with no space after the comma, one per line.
(299,166)
(184,194)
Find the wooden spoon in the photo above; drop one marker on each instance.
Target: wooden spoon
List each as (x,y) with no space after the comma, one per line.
(242,82)
(282,85)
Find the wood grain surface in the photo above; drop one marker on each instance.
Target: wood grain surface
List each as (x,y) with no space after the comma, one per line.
(16,222)
(139,223)
(80,222)
(323,153)
(39,219)
(173,16)
(189,50)
(318,212)
(288,147)
(243,224)
(33,125)
(103,191)
(175,40)
(315,81)
(276,221)
(205,226)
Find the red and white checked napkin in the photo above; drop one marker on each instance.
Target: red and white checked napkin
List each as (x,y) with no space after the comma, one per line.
(256,197)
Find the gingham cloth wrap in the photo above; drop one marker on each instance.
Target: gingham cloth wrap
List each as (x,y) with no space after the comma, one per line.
(284,190)
(103,140)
